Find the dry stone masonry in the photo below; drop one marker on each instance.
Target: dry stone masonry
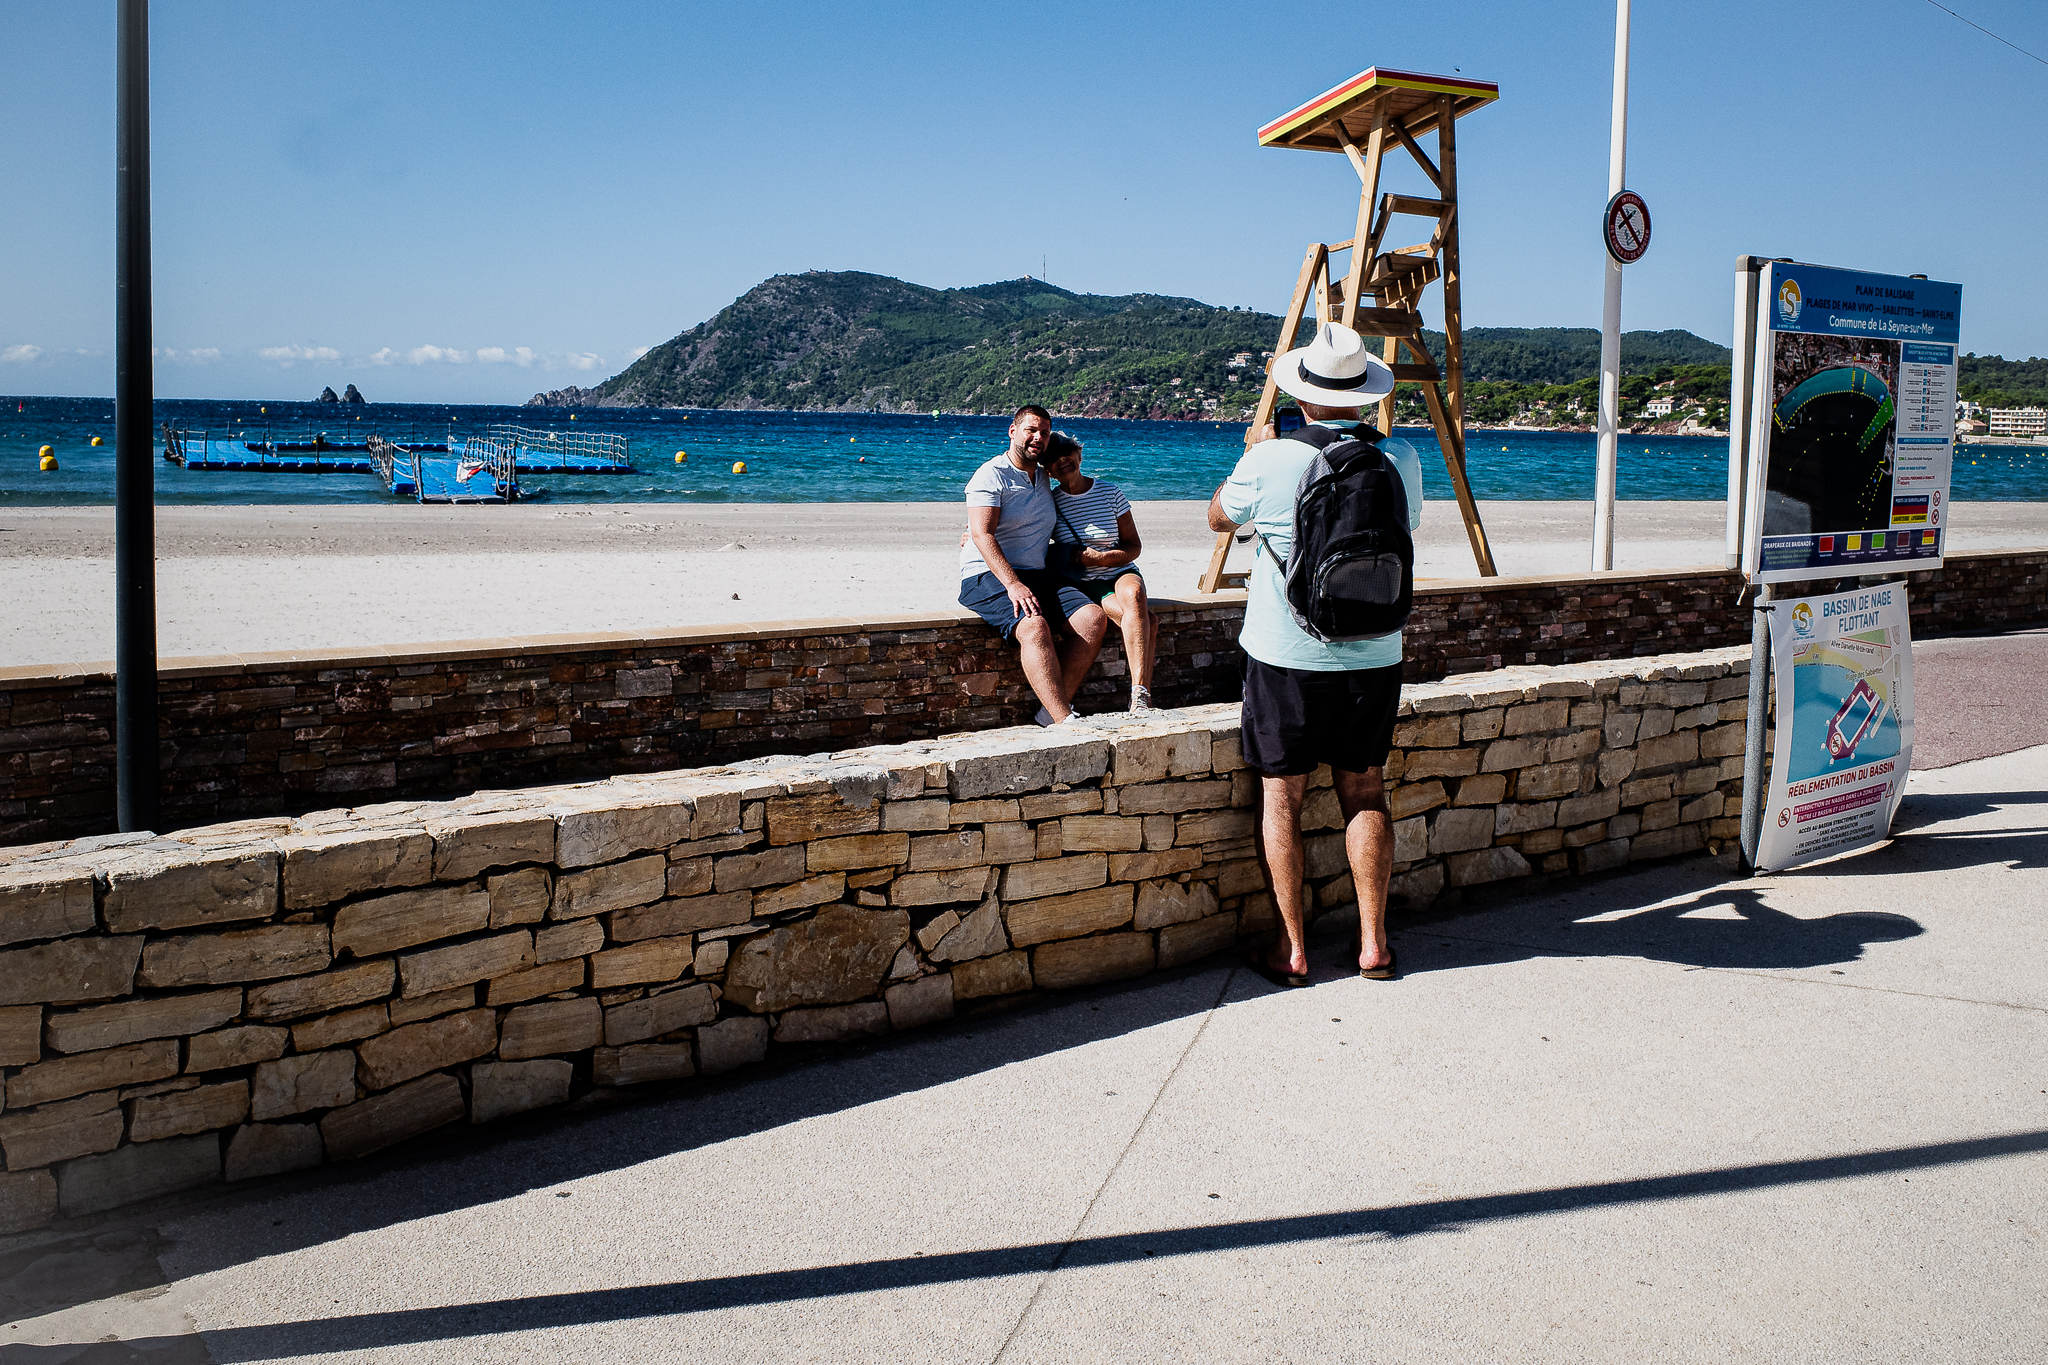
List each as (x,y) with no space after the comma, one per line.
(277,734)
(246,999)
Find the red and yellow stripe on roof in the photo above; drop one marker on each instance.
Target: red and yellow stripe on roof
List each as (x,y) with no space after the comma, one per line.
(1404,91)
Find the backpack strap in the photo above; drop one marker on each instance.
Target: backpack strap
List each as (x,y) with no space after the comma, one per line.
(1322,438)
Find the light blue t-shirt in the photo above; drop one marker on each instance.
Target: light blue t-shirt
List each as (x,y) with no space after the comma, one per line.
(1024,522)
(1260,492)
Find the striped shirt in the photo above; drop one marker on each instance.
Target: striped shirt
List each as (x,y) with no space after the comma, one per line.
(1089,519)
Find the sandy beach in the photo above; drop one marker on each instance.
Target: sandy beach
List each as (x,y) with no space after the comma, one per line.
(336,577)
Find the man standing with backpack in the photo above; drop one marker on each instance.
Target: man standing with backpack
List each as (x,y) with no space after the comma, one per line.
(1333,506)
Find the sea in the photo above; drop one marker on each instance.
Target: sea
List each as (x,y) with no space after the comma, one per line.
(840,457)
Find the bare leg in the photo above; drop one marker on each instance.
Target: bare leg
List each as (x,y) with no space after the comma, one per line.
(1077,655)
(1280,856)
(1041,663)
(1131,609)
(1369,845)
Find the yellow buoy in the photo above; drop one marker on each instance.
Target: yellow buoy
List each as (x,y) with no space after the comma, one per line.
(95,440)
(572,416)
(681,456)
(263,409)
(849,440)
(47,451)
(48,463)
(739,466)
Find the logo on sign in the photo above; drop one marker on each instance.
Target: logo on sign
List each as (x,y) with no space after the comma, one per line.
(1790,300)
(1802,619)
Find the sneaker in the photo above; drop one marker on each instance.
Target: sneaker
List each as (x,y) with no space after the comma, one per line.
(1141,699)
(1072,718)
(1044,717)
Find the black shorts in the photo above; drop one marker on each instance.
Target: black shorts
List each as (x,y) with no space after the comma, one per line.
(985,596)
(1296,718)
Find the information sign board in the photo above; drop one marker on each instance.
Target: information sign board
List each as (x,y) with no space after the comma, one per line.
(1843,670)
(1852,423)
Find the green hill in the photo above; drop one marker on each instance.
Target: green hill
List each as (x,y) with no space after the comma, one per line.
(850,340)
(1997,382)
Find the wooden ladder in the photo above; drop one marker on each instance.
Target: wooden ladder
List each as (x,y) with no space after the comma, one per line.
(1393,281)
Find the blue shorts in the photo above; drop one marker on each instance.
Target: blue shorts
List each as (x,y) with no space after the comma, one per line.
(985,596)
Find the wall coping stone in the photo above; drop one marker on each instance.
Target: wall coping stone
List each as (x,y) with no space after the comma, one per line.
(219,665)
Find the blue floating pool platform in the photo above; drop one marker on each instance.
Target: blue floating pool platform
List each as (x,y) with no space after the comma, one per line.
(427,471)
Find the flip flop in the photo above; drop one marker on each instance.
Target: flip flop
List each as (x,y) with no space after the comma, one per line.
(1383,973)
(1256,960)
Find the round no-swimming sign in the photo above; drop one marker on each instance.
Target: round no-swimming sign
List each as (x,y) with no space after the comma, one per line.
(1627,227)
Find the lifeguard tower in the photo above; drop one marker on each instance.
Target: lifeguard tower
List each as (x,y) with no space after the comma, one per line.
(1365,118)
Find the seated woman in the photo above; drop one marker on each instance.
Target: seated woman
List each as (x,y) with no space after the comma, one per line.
(1094,521)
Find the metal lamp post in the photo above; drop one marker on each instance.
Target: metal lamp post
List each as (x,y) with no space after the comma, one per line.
(135,714)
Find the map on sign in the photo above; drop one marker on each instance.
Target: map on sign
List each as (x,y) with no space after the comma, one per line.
(1856,425)
(1845,692)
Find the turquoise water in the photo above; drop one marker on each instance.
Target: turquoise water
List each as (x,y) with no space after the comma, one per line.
(1817,693)
(838,457)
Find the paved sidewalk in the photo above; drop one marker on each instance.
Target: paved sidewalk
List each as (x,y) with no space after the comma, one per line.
(1666,1115)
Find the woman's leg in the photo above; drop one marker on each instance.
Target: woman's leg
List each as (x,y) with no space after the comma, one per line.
(1131,609)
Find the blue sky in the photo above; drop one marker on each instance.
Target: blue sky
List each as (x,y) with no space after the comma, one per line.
(472,202)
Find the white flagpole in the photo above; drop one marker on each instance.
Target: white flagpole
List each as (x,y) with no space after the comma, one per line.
(1610,313)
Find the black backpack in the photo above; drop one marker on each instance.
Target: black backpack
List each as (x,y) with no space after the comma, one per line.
(1352,576)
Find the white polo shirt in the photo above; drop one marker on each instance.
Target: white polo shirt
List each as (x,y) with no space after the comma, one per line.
(1026,521)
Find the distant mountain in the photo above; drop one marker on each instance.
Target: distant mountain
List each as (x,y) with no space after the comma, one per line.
(1565,355)
(854,341)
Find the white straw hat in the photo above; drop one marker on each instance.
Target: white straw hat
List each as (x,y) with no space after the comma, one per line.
(1335,370)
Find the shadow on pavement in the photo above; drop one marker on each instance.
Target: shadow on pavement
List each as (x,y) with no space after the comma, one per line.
(372,1331)
(1684,912)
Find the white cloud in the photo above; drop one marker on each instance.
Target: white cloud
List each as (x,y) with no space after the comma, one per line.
(634,353)
(198,355)
(525,357)
(23,353)
(286,355)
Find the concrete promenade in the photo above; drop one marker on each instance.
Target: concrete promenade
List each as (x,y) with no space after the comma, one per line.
(1674,1114)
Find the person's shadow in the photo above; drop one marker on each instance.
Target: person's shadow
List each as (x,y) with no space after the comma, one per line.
(1681,913)
(1734,927)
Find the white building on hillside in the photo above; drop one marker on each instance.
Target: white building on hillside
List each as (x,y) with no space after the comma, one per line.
(1659,407)
(2018,421)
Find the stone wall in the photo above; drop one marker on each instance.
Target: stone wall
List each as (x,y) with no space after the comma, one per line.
(282,733)
(257,997)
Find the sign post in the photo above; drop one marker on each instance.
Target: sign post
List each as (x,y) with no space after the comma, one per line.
(1610,308)
(1851,433)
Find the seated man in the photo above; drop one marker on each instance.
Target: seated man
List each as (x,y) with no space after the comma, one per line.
(1003,578)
